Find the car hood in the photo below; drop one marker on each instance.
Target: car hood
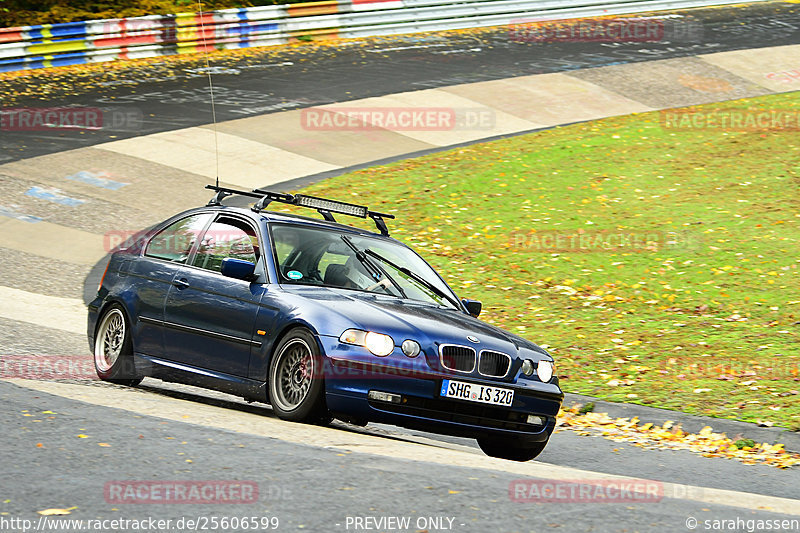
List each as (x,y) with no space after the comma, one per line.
(406,319)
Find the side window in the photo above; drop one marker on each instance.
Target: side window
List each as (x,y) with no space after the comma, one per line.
(226,237)
(174,242)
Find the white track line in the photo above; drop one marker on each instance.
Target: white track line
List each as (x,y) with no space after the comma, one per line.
(66,314)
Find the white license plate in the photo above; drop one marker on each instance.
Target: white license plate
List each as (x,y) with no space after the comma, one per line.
(477,393)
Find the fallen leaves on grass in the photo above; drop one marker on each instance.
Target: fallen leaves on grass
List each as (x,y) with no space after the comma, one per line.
(667,436)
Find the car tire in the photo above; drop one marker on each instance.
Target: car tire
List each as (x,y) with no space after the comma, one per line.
(296,384)
(113,348)
(511,450)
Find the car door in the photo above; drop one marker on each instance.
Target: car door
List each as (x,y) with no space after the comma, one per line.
(165,254)
(209,318)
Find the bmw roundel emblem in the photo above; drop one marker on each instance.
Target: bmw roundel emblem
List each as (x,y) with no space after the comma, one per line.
(470,338)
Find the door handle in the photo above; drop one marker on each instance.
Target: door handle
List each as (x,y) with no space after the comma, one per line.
(181,283)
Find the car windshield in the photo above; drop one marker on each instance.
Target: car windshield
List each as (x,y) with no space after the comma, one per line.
(329,258)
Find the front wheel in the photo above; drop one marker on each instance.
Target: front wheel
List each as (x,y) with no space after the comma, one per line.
(296,385)
(113,351)
(507,449)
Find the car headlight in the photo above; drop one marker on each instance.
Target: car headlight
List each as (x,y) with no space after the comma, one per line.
(410,348)
(354,336)
(377,343)
(545,371)
(527,367)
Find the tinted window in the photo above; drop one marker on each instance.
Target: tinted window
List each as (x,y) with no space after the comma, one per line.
(174,242)
(226,237)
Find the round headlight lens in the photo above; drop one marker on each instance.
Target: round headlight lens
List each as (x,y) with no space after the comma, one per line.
(545,371)
(527,367)
(379,344)
(410,348)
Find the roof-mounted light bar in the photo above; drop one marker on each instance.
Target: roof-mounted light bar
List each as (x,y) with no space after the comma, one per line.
(324,206)
(332,206)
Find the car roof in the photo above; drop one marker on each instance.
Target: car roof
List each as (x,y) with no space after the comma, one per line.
(273,216)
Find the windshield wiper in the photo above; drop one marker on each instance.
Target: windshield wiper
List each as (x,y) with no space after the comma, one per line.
(376,271)
(416,277)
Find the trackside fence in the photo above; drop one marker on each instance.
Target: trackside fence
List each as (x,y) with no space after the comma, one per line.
(71,43)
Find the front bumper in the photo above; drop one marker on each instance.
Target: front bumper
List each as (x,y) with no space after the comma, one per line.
(351,375)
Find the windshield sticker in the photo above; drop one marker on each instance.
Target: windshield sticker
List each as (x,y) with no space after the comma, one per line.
(294,274)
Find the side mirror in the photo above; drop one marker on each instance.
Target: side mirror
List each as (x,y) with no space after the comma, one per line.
(473,307)
(238,269)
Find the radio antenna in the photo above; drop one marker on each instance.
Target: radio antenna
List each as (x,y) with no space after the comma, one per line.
(210,87)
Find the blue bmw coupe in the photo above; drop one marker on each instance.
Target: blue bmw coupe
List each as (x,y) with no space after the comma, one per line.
(319,319)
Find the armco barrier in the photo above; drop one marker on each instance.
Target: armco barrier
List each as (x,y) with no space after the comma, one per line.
(95,41)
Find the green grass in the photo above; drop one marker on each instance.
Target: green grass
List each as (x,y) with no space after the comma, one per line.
(704,319)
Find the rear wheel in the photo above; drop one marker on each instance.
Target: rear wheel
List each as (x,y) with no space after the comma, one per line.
(113,349)
(511,450)
(296,385)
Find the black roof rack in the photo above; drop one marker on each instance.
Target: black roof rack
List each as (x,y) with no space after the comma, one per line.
(324,207)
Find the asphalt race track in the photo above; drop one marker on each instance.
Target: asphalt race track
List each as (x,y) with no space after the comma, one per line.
(313,479)
(64,443)
(161,98)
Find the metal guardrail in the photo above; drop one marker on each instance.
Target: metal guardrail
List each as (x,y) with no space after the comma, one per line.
(72,43)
